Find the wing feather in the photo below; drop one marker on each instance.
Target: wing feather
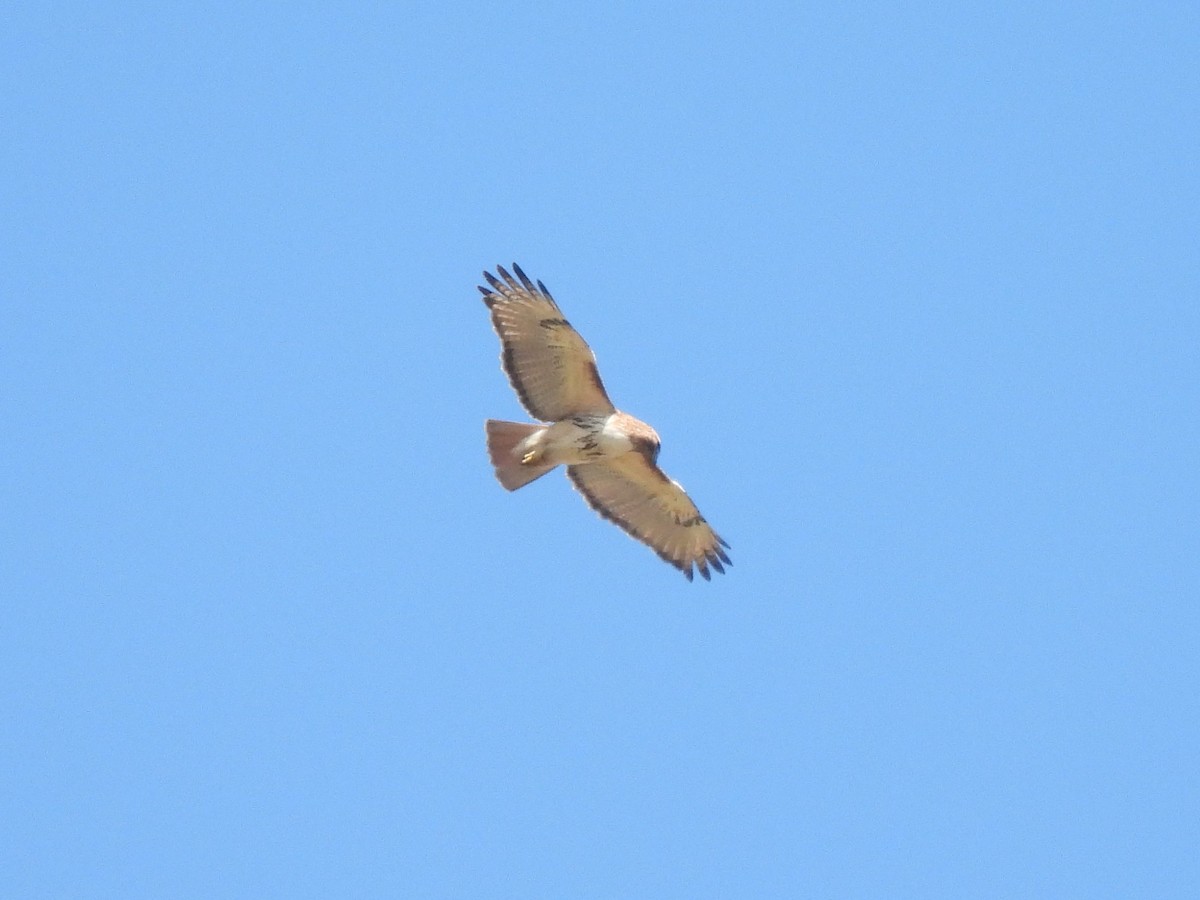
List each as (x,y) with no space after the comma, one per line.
(636,495)
(550,366)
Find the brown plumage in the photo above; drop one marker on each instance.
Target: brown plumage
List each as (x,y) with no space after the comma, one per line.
(610,456)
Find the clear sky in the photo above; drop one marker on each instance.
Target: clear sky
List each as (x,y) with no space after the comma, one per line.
(910,292)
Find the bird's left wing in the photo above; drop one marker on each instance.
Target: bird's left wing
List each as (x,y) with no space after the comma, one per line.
(635,494)
(551,367)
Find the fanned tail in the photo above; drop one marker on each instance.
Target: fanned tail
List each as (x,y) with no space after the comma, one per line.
(502,439)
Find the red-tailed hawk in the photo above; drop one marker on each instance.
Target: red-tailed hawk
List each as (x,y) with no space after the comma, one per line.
(610,456)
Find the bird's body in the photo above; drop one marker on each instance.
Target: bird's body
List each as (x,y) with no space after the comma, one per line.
(583,439)
(610,456)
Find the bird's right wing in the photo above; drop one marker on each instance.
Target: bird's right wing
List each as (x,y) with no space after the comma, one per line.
(551,367)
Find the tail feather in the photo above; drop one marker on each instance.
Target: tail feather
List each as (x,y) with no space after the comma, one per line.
(502,439)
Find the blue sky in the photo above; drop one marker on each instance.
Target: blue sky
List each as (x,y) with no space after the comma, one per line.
(910,293)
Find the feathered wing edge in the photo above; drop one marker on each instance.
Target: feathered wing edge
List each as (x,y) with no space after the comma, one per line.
(489,296)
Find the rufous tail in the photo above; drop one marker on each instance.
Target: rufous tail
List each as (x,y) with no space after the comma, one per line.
(502,439)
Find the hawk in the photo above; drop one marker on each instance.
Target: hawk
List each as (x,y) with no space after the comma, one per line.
(611,457)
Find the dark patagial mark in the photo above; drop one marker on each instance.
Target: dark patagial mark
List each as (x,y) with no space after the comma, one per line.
(594,374)
(647,448)
(554,323)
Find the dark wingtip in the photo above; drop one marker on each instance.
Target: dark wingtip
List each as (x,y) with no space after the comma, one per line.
(716,564)
(492,280)
(544,289)
(524,278)
(687,573)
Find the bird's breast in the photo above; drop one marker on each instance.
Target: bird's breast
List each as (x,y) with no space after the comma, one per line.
(583,439)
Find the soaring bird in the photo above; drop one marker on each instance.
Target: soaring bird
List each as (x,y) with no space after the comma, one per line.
(611,457)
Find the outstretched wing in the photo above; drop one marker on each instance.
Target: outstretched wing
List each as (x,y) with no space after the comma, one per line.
(551,367)
(635,494)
